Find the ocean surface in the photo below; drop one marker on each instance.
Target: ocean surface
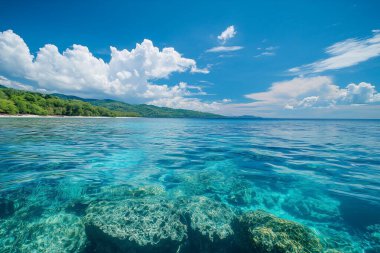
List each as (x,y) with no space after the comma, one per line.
(324,174)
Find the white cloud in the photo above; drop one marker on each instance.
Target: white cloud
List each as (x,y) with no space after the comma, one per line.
(223,38)
(312,92)
(268,51)
(205,70)
(15,56)
(178,97)
(227,34)
(344,54)
(188,103)
(13,84)
(362,93)
(180,90)
(224,49)
(128,74)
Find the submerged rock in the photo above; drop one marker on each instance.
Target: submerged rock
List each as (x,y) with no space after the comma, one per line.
(122,192)
(262,232)
(9,229)
(240,193)
(227,187)
(56,233)
(210,224)
(317,207)
(150,225)
(373,236)
(338,240)
(199,182)
(6,208)
(374,233)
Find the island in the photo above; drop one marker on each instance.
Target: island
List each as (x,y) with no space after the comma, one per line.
(14,102)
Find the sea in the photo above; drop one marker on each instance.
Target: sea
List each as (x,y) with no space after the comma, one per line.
(61,179)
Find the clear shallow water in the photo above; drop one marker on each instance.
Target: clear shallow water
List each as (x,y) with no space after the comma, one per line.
(324,174)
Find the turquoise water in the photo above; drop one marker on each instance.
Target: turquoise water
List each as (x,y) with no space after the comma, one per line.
(54,172)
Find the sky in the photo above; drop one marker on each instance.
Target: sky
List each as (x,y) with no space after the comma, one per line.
(287,59)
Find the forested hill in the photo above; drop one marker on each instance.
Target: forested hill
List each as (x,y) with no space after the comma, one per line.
(145,110)
(14,101)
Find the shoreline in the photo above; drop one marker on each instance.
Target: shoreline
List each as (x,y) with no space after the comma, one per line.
(225,118)
(59,116)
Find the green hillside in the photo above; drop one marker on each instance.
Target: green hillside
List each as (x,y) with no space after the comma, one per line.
(144,110)
(153,111)
(14,101)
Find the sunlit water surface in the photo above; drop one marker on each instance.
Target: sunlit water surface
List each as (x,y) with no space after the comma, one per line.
(324,174)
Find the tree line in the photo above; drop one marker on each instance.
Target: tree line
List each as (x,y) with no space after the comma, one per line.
(14,101)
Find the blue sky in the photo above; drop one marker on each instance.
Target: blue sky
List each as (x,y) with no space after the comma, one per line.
(286,58)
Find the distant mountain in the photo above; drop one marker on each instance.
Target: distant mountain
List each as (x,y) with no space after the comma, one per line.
(143,110)
(14,101)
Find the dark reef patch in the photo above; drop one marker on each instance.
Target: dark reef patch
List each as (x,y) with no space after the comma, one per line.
(352,208)
(6,208)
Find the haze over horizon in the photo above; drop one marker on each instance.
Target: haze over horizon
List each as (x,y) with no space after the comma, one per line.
(269,59)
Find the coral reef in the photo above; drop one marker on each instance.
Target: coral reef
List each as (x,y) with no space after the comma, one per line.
(210,218)
(210,224)
(262,232)
(78,203)
(56,233)
(195,212)
(147,225)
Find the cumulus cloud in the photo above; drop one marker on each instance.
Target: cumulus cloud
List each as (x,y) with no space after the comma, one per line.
(179,96)
(362,93)
(15,56)
(312,92)
(344,54)
(224,49)
(227,34)
(128,74)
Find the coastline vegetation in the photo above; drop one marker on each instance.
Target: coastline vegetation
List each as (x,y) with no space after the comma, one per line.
(13,102)
(149,111)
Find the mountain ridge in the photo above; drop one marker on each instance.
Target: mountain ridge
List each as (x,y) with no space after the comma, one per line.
(14,101)
(145,110)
